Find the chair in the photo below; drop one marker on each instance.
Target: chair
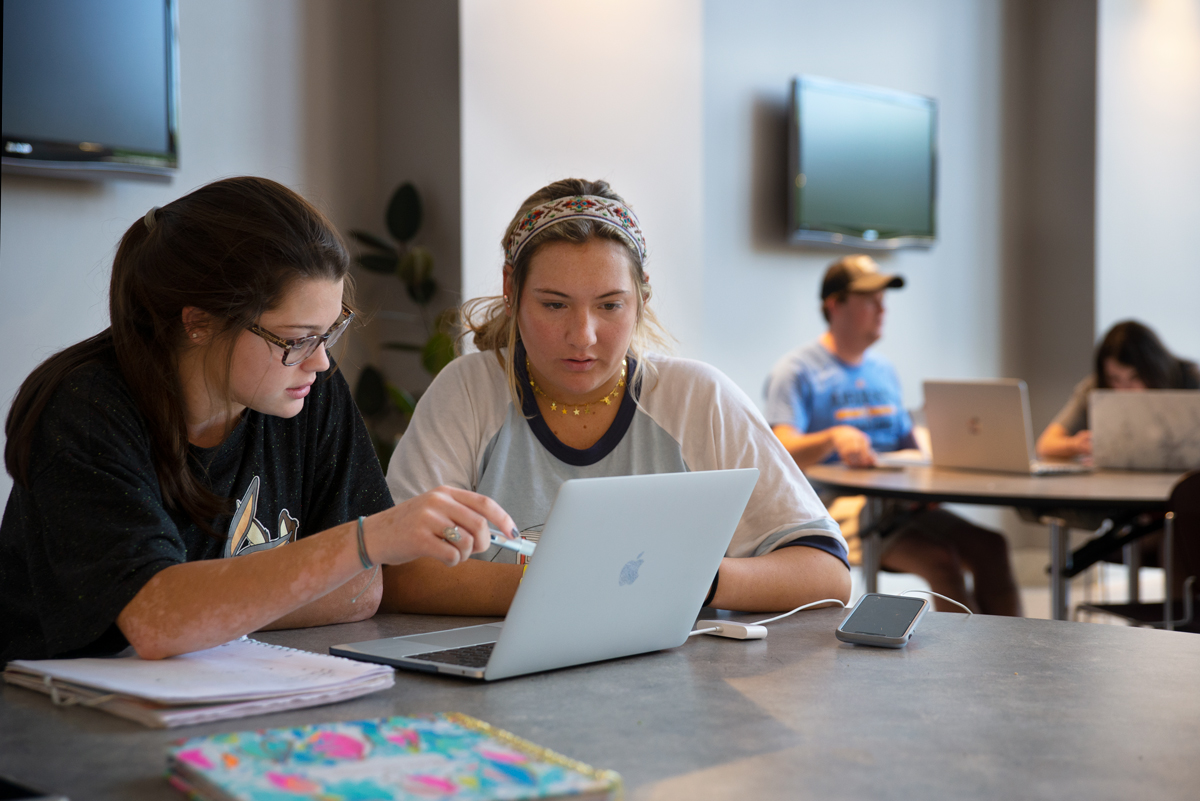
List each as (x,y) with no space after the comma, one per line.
(1181,552)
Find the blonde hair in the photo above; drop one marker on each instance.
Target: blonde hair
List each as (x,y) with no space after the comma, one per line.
(493,324)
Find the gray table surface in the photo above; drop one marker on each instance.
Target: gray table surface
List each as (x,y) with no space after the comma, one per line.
(1052,495)
(985,707)
(1099,489)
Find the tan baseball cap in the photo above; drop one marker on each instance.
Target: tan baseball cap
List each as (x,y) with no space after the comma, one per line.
(857,273)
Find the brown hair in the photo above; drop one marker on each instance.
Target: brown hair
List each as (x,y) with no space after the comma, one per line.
(494,326)
(232,249)
(1135,345)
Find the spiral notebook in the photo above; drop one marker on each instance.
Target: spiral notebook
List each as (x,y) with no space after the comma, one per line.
(448,756)
(240,678)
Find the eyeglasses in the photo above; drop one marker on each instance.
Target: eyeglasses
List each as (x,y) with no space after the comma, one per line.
(297,350)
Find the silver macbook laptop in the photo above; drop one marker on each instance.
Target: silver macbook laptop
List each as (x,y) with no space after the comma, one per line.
(985,425)
(1152,430)
(622,567)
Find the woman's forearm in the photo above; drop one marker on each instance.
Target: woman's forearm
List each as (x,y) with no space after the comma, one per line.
(426,586)
(806,449)
(196,605)
(357,599)
(781,580)
(1056,443)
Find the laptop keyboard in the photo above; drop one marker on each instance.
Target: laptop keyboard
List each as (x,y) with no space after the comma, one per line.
(475,656)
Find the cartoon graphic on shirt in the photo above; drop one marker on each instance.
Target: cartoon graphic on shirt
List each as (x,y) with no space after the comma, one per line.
(247,535)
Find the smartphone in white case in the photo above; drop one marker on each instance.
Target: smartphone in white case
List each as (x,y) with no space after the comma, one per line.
(886,621)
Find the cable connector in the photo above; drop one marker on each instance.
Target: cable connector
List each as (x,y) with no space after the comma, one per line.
(734,631)
(752,631)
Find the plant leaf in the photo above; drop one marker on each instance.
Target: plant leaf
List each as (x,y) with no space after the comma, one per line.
(402,399)
(422,264)
(404,213)
(416,266)
(376,263)
(370,394)
(423,292)
(439,351)
(370,240)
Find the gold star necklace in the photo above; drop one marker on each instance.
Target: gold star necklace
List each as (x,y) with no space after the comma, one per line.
(577,408)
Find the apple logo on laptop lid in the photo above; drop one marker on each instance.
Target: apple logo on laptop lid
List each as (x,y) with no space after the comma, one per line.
(629,573)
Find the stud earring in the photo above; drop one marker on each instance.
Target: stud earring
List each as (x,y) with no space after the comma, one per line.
(194,335)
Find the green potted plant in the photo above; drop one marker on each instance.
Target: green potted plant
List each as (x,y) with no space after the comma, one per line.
(413,265)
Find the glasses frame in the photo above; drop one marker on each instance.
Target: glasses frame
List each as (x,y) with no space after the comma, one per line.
(302,343)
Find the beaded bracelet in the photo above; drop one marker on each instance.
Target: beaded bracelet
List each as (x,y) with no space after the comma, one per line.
(362,547)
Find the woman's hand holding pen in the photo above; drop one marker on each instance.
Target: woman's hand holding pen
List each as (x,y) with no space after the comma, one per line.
(447,524)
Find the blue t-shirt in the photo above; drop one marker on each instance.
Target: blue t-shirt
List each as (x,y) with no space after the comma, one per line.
(812,390)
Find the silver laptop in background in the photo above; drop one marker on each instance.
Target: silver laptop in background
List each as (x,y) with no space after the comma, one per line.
(1156,429)
(622,567)
(985,425)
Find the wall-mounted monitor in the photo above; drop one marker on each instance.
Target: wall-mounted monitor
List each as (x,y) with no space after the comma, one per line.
(90,88)
(862,166)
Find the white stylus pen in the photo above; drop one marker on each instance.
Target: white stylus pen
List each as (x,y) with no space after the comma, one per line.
(520,544)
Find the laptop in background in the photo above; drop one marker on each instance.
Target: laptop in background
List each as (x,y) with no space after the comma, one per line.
(985,425)
(1157,429)
(622,567)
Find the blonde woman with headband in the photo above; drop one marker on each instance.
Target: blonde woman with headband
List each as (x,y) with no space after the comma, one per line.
(564,386)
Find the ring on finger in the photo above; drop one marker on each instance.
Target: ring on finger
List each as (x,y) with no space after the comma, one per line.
(451,534)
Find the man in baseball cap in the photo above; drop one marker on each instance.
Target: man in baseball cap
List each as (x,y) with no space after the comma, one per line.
(838,400)
(859,274)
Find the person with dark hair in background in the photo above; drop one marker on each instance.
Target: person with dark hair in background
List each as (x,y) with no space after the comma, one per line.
(161,465)
(836,399)
(1130,357)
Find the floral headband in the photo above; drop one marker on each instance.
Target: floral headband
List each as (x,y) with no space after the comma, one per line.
(590,207)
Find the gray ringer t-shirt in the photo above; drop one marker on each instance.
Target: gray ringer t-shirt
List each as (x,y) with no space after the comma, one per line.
(467,433)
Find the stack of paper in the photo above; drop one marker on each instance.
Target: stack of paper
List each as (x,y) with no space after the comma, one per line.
(239,678)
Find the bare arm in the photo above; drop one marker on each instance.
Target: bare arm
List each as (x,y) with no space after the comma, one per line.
(852,445)
(339,606)
(196,605)
(428,587)
(778,581)
(781,580)
(1056,443)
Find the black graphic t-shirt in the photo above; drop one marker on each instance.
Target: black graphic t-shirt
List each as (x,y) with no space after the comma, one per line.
(91,529)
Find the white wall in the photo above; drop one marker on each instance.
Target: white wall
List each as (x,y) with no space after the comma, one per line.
(593,90)
(760,295)
(1148,168)
(272,89)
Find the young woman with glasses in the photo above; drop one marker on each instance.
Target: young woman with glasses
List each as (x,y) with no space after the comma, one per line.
(197,471)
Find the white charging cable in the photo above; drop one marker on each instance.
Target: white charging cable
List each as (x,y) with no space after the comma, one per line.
(800,609)
(758,630)
(944,598)
(753,631)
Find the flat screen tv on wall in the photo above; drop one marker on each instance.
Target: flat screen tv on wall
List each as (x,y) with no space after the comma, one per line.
(863,166)
(90,88)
